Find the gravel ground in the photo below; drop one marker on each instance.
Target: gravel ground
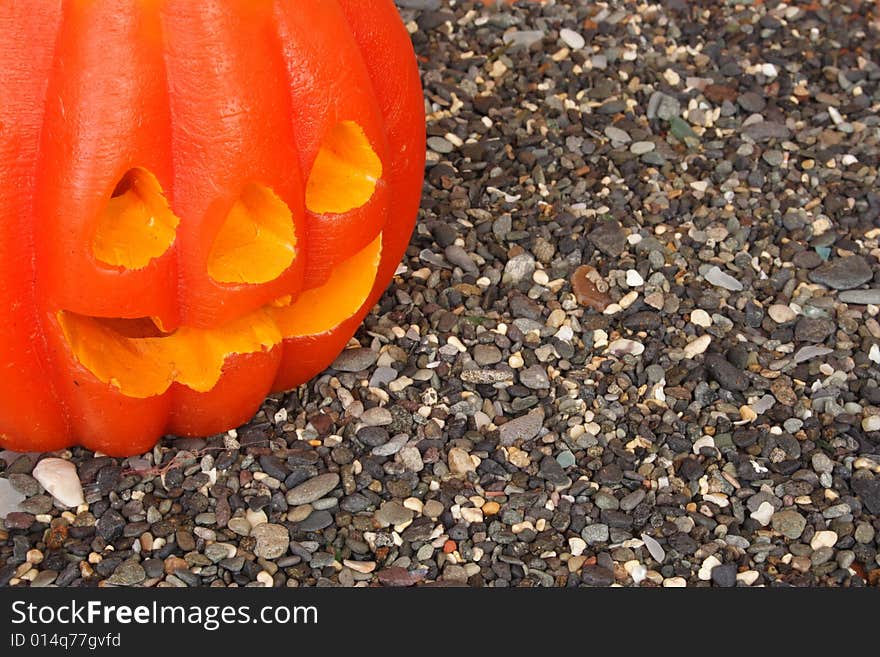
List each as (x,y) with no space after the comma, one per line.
(634,340)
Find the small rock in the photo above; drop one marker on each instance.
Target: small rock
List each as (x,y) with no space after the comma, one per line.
(460,462)
(823,539)
(595,575)
(763,514)
(609,238)
(128,573)
(10,499)
(534,377)
(392,513)
(843,273)
(789,523)
(522,428)
(697,346)
(727,375)
(377,416)
(654,548)
(60,479)
(700,317)
(313,489)
(519,268)
(572,39)
(871,423)
(781,314)
(355,360)
(722,279)
(860,297)
(724,575)
(709,564)
(272,540)
(868,491)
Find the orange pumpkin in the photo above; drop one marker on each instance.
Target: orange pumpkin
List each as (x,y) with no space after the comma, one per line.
(199,203)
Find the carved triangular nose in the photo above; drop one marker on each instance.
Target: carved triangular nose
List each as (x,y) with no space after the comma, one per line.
(257,240)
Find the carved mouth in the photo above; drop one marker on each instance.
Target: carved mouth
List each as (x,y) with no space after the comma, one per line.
(141,360)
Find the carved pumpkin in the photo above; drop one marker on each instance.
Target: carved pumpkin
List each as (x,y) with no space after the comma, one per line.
(199,203)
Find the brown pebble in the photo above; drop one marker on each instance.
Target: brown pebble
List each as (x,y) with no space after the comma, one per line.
(586,292)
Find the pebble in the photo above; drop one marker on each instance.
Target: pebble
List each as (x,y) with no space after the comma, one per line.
(355,360)
(392,514)
(697,346)
(597,533)
(633,278)
(609,238)
(700,317)
(725,373)
(377,416)
(10,499)
(861,297)
(843,273)
(871,423)
(313,489)
(60,479)
(128,573)
(572,39)
(789,523)
(763,514)
(724,575)
(654,548)
(460,462)
(272,540)
(781,314)
(823,539)
(710,563)
(576,545)
(519,268)
(522,428)
(722,279)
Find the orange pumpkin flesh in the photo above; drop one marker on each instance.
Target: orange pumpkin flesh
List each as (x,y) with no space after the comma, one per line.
(210,222)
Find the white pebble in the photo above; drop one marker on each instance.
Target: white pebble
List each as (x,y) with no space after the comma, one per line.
(634,278)
(628,299)
(60,480)
(721,279)
(781,314)
(710,563)
(654,548)
(675,583)
(625,346)
(671,77)
(769,70)
(577,546)
(472,515)
(874,353)
(871,423)
(701,318)
(824,538)
(763,514)
(636,570)
(747,577)
(698,346)
(572,39)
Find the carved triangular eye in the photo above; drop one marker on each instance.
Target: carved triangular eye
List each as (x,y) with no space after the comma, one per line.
(345,172)
(137,224)
(256,242)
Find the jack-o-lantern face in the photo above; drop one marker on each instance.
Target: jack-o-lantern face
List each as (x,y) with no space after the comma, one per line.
(199,202)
